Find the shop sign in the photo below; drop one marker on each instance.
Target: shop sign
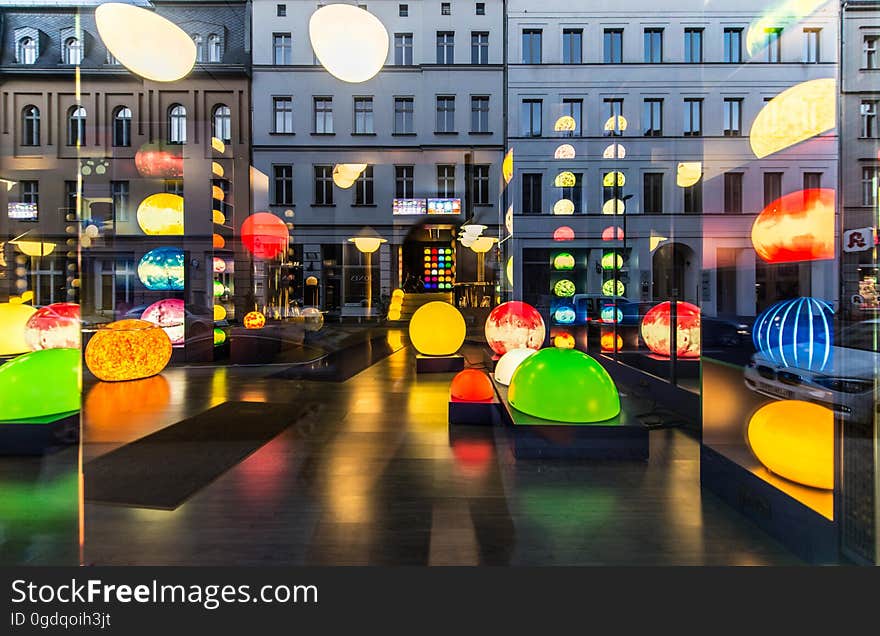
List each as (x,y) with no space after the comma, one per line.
(858,240)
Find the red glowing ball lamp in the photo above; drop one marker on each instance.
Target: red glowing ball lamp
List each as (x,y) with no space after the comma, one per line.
(472,385)
(159,161)
(796,227)
(264,235)
(656,326)
(563,233)
(612,233)
(606,342)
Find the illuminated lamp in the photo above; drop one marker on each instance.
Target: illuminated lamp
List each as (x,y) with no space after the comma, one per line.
(566,123)
(128,350)
(219,336)
(367,244)
(615,124)
(264,235)
(612,233)
(563,261)
(34,248)
(218,265)
(564,385)
(437,329)
(162,269)
(608,288)
(564,288)
(613,206)
(218,242)
(563,233)
(507,166)
(14,318)
(509,270)
(563,340)
(610,260)
(608,314)
(397,293)
(509,362)
(394,314)
(564,151)
(145,43)
(168,314)
(218,145)
(313,318)
(795,440)
(161,214)
(159,161)
(55,326)
(483,244)
(796,227)
(345,174)
(614,151)
(473,229)
(514,325)
(655,329)
(467,240)
(610,177)
(254,320)
(217,193)
(564,315)
(565,179)
(40,384)
(795,115)
(655,240)
(217,169)
(796,333)
(563,207)
(688,173)
(471,385)
(219,313)
(219,288)
(311,281)
(218,217)
(349,42)
(606,341)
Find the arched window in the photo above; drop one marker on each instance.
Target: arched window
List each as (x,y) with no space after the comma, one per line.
(73,51)
(222,123)
(76,126)
(177,124)
(215,48)
(27,50)
(30,126)
(122,126)
(200,47)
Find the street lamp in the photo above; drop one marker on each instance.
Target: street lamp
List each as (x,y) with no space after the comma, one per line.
(367,244)
(480,246)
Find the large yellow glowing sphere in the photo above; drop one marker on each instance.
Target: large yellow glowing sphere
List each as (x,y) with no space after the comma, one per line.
(145,43)
(795,440)
(351,43)
(13,324)
(161,214)
(796,114)
(128,350)
(563,207)
(219,312)
(688,173)
(437,329)
(565,179)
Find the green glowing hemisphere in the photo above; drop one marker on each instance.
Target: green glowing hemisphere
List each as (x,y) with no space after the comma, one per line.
(40,384)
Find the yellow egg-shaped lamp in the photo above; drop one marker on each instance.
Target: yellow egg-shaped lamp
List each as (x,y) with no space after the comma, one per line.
(13,325)
(565,179)
(614,151)
(219,313)
(795,440)
(564,151)
(161,214)
(437,329)
(611,178)
(613,206)
(613,124)
(349,42)
(798,113)
(128,350)
(563,207)
(397,293)
(218,217)
(144,42)
(688,173)
(566,123)
(507,166)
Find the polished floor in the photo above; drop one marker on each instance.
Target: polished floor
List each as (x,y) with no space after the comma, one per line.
(373,475)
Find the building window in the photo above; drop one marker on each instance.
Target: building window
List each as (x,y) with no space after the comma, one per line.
(282,113)
(283,184)
(653,118)
(404,115)
(869,186)
(812,180)
(531,117)
(403,10)
(363,187)
(811,46)
(200,47)
(574,193)
(572,46)
(30,126)
(531,46)
(613,117)
(480,114)
(613,46)
(175,186)
(323,185)
(404,182)
(653,46)
(111,59)
(30,192)
(481,8)
(26,51)
(573,108)
(869,47)
(73,51)
(868,112)
(281,48)
(774,45)
(481,185)
(732,46)
(122,126)
(221,123)
(324,115)
(693,117)
(445,8)
(445,47)
(177,124)
(733,192)
(445,114)
(403,49)
(652,195)
(479,47)
(732,117)
(281,10)
(531,193)
(693,198)
(215,48)
(363,116)
(76,126)
(693,46)
(446,181)
(772,187)
(119,195)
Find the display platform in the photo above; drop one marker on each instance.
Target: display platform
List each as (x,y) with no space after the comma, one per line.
(483,413)
(39,435)
(620,438)
(805,531)
(439,364)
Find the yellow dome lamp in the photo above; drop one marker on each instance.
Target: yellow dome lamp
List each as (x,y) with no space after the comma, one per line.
(367,242)
(688,173)
(565,179)
(615,125)
(345,174)
(507,167)
(566,123)
(564,151)
(34,248)
(472,229)
(614,151)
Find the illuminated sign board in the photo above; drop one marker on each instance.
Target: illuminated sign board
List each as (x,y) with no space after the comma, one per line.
(444,206)
(408,206)
(23,211)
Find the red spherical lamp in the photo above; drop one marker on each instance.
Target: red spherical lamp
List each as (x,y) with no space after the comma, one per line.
(264,235)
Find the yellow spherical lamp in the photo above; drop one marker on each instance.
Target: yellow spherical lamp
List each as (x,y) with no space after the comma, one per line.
(219,313)
(161,214)
(437,329)
(128,350)
(349,42)
(13,325)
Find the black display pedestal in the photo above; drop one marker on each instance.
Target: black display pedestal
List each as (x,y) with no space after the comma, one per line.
(439,364)
(37,438)
(485,413)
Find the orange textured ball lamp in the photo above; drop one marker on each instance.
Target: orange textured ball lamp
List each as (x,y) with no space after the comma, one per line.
(254,320)
(128,350)
(471,385)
